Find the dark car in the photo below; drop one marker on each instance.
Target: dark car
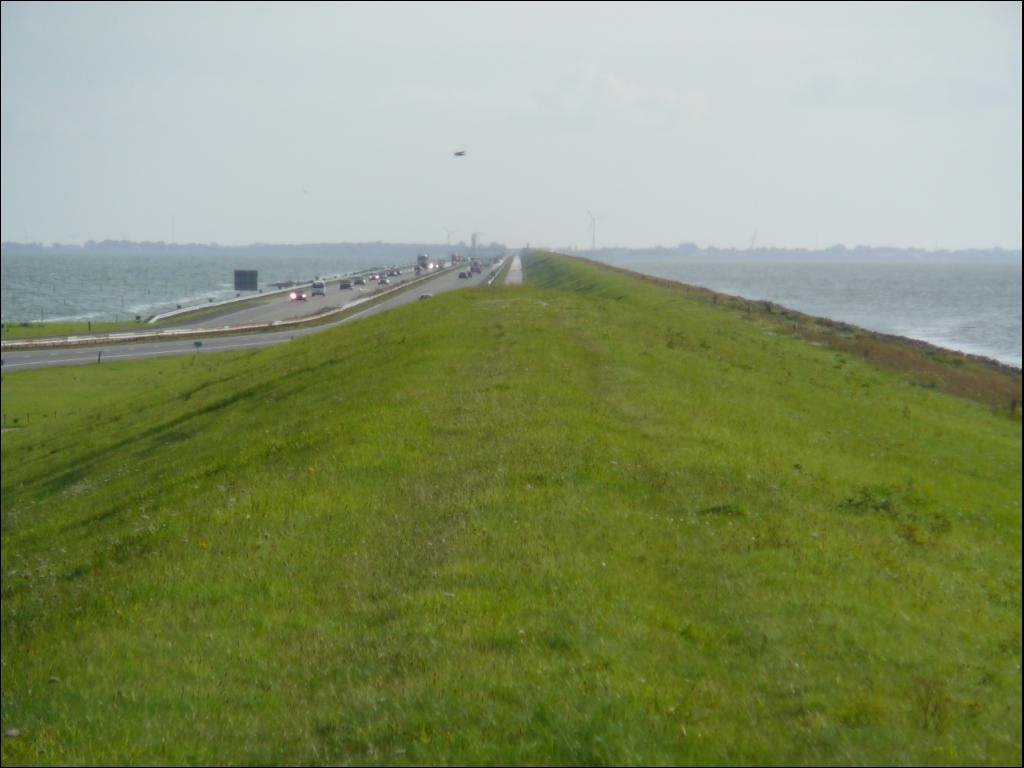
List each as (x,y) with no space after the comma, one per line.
(345,284)
(298,296)
(463,275)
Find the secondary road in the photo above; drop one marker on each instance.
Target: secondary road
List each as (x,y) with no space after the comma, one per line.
(279,307)
(515,272)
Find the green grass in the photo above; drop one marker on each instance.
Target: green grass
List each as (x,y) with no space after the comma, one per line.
(588,520)
(46,330)
(19,331)
(502,275)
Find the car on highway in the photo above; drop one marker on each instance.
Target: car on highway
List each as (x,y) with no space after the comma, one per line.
(345,284)
(360,281)
(463,275)
(383,281)
(298,296)
(319,288)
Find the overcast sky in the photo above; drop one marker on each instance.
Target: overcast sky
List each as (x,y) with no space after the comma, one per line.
(808,124)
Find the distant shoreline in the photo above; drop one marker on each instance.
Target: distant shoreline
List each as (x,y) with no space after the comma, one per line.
(682,250)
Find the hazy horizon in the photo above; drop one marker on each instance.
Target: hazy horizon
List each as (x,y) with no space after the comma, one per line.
(783,125)
(483,244)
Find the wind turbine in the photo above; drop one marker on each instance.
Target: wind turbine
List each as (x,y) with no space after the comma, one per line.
(593,230)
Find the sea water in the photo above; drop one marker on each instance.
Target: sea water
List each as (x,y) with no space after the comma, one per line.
(59,287)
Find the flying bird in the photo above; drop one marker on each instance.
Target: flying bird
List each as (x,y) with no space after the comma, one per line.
(460,153)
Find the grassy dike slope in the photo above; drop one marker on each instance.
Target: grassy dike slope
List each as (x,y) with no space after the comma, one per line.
(588,520)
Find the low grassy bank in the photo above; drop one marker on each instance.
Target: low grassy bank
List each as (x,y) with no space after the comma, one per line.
(23,331)
(980,379)
(586,520)
(45,330)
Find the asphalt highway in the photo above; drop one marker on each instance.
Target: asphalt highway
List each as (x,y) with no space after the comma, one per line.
(279,306)
(273,308)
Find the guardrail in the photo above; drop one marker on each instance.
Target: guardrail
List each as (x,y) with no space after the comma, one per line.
(496,271)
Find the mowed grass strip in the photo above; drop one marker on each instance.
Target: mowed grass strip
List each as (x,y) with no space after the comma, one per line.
(587,520)
(25,330)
